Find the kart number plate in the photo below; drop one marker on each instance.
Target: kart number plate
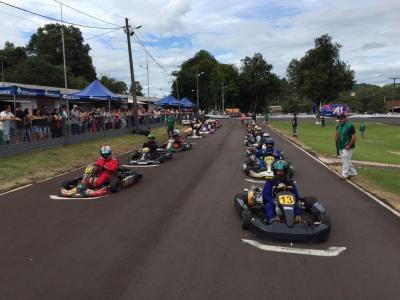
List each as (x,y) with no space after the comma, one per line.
(286,200)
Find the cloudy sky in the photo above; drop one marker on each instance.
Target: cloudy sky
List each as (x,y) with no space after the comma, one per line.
(174,30)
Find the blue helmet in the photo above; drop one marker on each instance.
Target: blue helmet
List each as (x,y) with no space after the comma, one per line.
(270,143)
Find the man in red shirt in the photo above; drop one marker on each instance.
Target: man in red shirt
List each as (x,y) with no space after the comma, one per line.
(106,166)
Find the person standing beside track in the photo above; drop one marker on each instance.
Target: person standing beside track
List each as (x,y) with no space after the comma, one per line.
(346,139)
(294,125)
(170,120)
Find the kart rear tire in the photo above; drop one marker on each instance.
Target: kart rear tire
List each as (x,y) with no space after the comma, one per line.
(309,202)
(115,185)
(246,219)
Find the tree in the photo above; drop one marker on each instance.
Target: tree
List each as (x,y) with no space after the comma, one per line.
(114,85)
(204,64)
(139,88)
(320,75)
(257,83)
(11,56)
(46,43)
(35,70)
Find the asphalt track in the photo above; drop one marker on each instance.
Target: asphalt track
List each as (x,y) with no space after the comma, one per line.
(176,235)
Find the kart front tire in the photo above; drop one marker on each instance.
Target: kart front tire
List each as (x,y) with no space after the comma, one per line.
(246,219)
(115,185)
(324,219)
(66,184)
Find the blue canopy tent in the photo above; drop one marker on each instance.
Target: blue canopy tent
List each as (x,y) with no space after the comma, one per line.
(96,91)
(16,90)
(168,101)
(186,103)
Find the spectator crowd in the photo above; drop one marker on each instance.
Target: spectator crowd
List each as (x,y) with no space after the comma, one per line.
(22,126)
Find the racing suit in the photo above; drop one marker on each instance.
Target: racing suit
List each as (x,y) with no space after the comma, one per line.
(152,145)
(268,194)
(260,154)
(106,169)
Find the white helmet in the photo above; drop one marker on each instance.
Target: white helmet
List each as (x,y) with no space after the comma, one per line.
(175,132)
(266,135)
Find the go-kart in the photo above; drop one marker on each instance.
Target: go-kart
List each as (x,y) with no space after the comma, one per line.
(205,129)
(251,168)
(144,157)
(176,146)
(253,140)
(214,124)
(194,132)
(314,227)
(82,187)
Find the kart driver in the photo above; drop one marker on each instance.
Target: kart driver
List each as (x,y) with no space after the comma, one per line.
(178,139)
(268,150)
(270,188)
(151,144)
(106,165)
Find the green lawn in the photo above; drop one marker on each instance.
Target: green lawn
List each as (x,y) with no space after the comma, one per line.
(33,166)
(386,179)
(380,139)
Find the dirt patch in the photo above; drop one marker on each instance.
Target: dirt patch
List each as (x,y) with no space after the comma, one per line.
(395,152)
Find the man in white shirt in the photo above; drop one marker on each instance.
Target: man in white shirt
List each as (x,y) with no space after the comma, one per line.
(6,117)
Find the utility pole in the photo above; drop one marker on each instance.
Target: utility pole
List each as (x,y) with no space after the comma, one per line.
(177,92)
(2,73)
(64,59)
(130,32)
(148,81)
(394,85)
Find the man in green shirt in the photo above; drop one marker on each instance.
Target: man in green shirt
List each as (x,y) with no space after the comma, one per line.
(266,117)
(362,128)
(170,122)
(346,140)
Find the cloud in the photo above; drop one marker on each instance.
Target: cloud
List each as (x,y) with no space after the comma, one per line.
(174,30)
(372,45)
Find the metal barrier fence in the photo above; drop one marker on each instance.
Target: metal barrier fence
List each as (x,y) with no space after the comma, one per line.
(67,132)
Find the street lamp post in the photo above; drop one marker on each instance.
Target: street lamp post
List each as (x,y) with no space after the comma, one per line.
(223,98)
(197,88)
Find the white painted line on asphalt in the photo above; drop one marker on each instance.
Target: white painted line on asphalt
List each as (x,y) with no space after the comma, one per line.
(14,190)
(380,202)
(255,181)
(43,180)
(140,166)
(330,252)
(55,197)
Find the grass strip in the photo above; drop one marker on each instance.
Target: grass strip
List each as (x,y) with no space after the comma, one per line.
(381,142)
(27,168)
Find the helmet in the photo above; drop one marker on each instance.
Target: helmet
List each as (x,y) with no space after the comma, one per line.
(105,152)
(279,154)
(270,143)
(175,132)
(280,169)
(151,137)
(265,135)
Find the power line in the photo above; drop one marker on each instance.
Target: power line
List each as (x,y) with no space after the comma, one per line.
(96,36)
(106,10)
(86,14)
(57,20)
(151,56)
